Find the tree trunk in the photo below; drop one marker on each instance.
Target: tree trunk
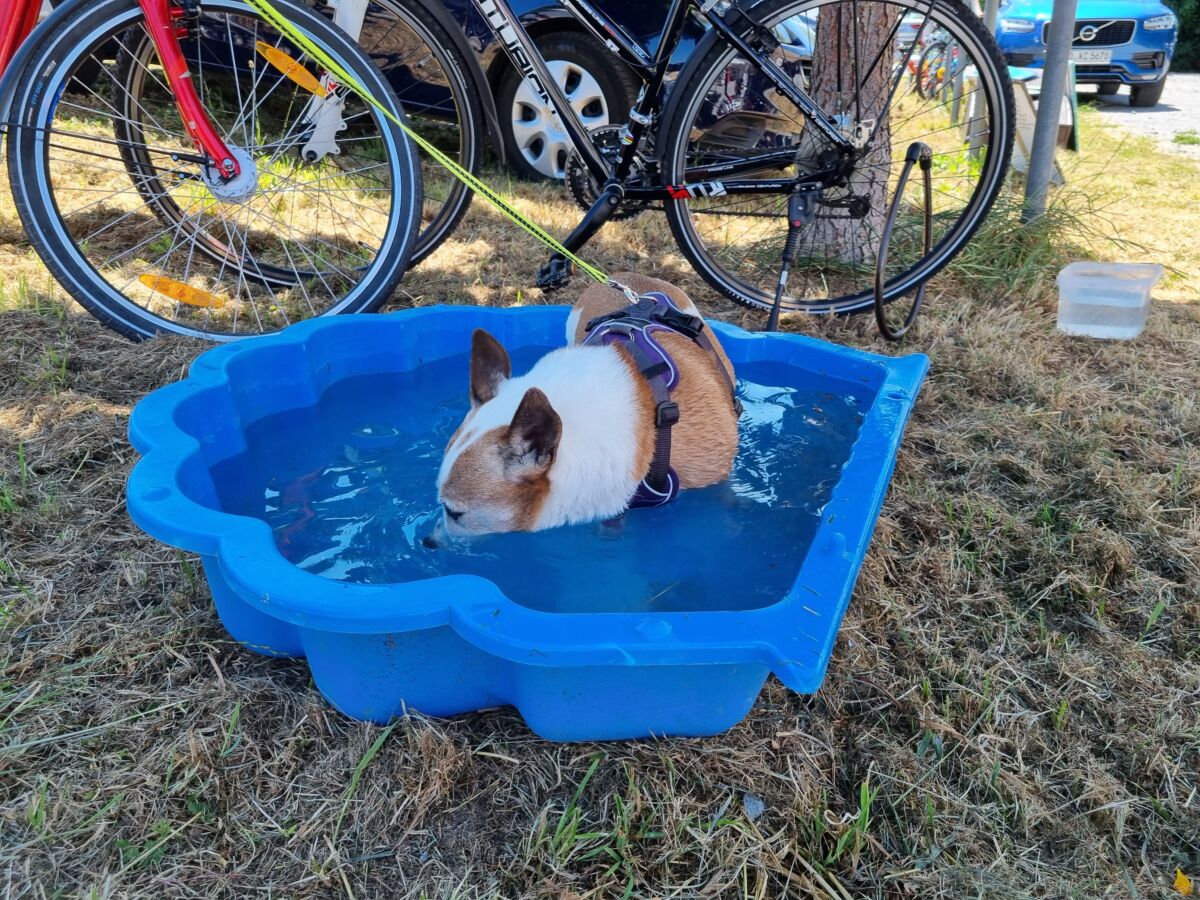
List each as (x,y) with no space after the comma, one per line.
(852,79)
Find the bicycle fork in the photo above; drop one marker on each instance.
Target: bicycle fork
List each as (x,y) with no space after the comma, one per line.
(17,20)
(166,23)
(325,112)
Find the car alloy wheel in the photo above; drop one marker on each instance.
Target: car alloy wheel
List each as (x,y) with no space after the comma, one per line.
(538,136)
(599,88)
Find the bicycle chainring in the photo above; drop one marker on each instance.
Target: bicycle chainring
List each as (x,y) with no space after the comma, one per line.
(606,139)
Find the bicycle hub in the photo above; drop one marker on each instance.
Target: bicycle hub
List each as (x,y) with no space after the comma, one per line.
(235,189)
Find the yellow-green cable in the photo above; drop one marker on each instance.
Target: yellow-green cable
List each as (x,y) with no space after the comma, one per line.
(345,79)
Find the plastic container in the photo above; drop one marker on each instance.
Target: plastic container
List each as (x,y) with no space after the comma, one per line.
(456,643)
(1105,300)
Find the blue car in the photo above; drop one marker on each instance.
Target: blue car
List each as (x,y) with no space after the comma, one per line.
(1117,42)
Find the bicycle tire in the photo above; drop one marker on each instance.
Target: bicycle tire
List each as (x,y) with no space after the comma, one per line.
(923,80)
(693,85)
(38,92)
(438,59)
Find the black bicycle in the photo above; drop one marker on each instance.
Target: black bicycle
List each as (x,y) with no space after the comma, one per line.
(786,133)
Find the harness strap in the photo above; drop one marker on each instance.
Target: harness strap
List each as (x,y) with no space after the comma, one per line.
(660,480)
(633,327)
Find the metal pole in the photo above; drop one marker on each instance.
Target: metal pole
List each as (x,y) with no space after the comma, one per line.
(1045,131)
(956,96)
(977,105)
(991,12)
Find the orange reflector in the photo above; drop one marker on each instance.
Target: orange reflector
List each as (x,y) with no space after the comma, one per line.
(184,293)
(290,68)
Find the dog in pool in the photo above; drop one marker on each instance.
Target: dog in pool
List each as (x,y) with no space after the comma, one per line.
(639,404)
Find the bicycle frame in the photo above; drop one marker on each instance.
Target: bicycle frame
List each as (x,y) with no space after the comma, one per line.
(17,21)
(166,23)
(523,54)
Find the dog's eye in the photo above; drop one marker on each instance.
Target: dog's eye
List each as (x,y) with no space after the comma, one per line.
(454,514)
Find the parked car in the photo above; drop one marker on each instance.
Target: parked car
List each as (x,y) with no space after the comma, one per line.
(1117,42)
(599,86)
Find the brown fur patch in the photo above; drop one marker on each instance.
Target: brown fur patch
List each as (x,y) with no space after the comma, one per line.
(478,477)
(459,430)
(705,440)
(529,496)
(596,300)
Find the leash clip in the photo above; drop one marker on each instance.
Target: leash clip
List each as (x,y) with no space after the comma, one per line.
(630,294)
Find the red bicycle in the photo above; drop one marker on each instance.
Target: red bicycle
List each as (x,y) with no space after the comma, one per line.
(189,169)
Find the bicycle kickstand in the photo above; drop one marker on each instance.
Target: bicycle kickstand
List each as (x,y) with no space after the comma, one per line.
(917,153)
(802,209)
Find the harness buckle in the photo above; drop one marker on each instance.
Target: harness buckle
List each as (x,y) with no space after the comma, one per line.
(680,321)
(666,414)
(593,324)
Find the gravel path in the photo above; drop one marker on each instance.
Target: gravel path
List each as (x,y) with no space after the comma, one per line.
(1178,111)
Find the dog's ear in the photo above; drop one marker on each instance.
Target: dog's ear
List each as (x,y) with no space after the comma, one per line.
(489,367)
(533,436)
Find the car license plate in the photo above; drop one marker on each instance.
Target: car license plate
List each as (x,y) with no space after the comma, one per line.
(1091,56)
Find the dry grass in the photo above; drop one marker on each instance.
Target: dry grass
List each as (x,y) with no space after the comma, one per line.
(1149,198)
(1013,707)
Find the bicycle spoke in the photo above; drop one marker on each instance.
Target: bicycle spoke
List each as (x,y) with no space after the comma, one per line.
(255,257)
(861,74)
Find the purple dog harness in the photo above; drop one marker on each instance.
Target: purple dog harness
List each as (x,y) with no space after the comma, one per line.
(634,327)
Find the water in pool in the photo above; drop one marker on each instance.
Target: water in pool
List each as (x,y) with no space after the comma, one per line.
(349,488)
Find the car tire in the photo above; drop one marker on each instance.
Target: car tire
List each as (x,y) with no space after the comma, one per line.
(1107,89)
(601,90)
(1144,96)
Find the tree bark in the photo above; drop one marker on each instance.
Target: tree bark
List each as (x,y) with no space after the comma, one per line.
(845,68)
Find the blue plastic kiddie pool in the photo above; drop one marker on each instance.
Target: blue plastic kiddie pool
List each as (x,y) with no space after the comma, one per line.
(301,468)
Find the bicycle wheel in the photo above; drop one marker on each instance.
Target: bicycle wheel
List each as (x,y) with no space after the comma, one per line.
(419,61)
(147,238)
(722,111)
(931,70)
(425,69)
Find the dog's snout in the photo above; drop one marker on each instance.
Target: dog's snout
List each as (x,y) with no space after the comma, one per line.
(437,536)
